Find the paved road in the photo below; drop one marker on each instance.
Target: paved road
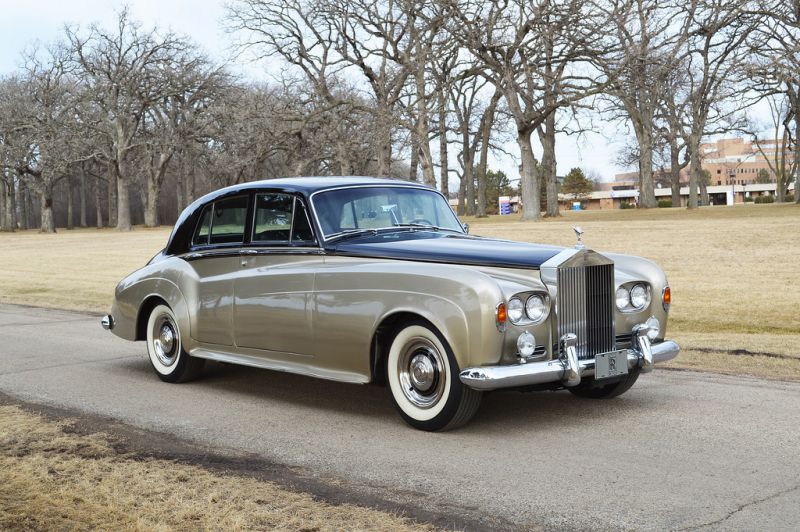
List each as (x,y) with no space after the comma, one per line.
(682,450)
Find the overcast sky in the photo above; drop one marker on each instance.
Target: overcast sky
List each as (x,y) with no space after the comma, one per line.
(23,22)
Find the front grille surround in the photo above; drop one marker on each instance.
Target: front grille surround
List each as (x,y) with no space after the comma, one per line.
(585,303)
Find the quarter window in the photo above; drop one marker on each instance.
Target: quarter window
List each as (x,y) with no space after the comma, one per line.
(281,219)
(203,230)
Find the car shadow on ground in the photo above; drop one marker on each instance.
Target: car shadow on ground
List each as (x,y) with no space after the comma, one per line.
(499,408)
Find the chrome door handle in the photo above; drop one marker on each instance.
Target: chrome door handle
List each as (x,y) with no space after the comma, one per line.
(248,252)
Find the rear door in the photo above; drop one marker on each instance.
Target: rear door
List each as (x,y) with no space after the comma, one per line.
(273,291)
(216,248)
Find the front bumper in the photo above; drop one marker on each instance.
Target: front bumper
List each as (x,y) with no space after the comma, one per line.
(568,369)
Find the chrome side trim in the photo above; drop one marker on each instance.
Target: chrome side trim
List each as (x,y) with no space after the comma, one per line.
(515,375)
(298,368)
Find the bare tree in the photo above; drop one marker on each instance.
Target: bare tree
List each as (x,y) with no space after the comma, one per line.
(649,38)
(122,71)
(523,46)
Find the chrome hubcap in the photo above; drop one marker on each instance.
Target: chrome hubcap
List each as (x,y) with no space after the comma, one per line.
(422,375)
(165,340)
(422,372)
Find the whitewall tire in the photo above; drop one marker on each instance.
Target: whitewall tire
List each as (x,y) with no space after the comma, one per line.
(423,377)
(165,348)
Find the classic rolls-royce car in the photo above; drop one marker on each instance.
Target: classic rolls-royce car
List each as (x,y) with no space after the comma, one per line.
(368,280)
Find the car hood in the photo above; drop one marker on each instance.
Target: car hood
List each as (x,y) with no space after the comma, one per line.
(447,248)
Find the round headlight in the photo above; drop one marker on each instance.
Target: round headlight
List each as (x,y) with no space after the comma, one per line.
(526,344)
(515,310)
(623,297)
(639,298)
(653,328)
(536,308)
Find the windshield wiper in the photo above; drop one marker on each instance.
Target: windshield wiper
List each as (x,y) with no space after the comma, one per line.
(351,233)
(418,225)
(427,226)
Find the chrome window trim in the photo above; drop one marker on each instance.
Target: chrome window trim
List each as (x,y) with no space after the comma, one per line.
(410,185)
(238,251)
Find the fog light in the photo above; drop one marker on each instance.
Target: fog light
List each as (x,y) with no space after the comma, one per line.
(653,328)
(526,344)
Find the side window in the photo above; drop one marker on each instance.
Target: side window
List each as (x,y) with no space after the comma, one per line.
(301,228)
(228,221)
(281,219)
(273,222)
(200,237)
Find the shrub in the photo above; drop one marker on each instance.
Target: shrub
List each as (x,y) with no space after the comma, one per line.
(664,204)
(765,199)
(748,199)
(789,198)
(627,205)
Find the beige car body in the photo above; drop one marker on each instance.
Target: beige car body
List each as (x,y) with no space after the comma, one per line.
(310,313)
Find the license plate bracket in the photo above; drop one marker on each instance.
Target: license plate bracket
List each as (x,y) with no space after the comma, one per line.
(608,365)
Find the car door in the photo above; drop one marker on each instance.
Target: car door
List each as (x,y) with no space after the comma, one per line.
(273,291)
(214,257)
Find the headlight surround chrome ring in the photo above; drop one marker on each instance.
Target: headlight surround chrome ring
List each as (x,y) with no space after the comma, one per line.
(537,308)
(515,310)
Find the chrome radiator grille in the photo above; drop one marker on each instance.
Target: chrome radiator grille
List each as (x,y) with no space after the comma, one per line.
(586,307)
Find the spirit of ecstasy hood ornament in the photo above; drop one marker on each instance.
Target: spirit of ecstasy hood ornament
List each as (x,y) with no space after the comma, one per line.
(578,233)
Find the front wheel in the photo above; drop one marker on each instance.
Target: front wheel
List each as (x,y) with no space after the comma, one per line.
(423,377)
(164,346)
(591,390)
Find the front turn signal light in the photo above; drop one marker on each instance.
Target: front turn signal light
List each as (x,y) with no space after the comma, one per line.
(666,297)
(501,315)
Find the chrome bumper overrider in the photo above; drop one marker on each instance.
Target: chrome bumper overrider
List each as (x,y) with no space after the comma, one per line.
(567,369)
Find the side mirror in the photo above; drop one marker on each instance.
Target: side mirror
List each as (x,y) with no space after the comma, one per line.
(466,227)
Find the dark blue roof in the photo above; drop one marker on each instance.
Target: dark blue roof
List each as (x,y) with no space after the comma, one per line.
(309,185)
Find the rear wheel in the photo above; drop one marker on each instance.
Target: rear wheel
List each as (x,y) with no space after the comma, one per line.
(591,390)
(423,377)
(165,348)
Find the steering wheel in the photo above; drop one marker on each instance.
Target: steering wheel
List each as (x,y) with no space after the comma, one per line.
(421,221)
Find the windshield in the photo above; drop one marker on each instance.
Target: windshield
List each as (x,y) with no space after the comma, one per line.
(348,209)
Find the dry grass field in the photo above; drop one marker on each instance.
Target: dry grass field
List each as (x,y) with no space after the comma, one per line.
(54,479)
(733,272)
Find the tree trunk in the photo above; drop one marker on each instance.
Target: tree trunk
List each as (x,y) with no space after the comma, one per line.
(529,182)
(487,121)
(469,188)
(98,204)
(695,171)
(23,205)
(47,222)
(675,173)
(151,206)
(11,205)
(70,213)
(385,146)
(443,162)
(462,197)
(112,195)
(4,224)
(647,192)
(123,201)
(796,161)
(83,199)
(547,137)
(189,184)
(414,165)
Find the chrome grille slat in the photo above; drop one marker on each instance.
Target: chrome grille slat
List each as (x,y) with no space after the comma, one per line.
(585,299)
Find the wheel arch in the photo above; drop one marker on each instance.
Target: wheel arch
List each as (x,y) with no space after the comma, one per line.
(382,338)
